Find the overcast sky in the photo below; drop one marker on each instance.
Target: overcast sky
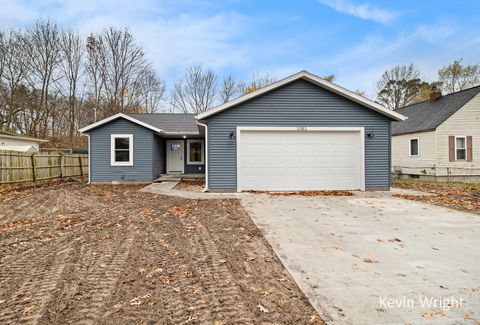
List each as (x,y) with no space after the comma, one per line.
(356,40)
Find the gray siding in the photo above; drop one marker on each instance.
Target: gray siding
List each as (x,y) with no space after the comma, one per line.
(159,158)
(297,103)
(143,144)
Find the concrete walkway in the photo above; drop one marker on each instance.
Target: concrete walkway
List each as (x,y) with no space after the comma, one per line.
(366,259)
(167,188)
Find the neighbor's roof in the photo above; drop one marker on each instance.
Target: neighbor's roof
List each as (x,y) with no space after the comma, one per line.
(428,115)
(11,135)
(164,123)
(315,80)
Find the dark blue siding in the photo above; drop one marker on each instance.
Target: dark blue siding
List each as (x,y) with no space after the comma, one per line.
(159,158)
(143,144)
(193,169)
(298,103)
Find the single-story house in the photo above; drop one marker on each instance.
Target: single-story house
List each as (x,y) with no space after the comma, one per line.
(440,133)
(15,142)
(300,133)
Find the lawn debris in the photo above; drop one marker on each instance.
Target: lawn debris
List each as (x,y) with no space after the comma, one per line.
(262,308)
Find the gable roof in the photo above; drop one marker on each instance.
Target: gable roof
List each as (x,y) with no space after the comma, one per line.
(315,80)
(11,135)
(164,123)
(170,122)
(428,115)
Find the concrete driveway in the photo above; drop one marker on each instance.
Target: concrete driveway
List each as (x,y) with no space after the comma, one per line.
(376,259)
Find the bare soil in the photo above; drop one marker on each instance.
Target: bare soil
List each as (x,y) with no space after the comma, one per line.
(72,253)
(459,196)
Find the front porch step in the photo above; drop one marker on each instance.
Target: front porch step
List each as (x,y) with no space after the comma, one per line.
(178,177)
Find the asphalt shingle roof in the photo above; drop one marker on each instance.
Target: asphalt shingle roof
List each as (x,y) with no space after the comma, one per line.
(169,122)
(428,115)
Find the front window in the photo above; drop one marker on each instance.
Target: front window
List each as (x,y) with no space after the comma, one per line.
(195,152)
(460,148)
(414,147)
(122,150)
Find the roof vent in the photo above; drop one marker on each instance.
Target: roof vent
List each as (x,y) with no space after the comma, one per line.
(435,94)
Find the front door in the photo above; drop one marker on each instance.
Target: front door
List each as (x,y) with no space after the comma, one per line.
(175,157)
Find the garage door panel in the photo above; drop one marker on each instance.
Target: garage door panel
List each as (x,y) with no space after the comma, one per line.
(287,161)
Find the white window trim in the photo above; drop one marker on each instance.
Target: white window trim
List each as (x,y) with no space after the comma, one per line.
(464,137)
(360,130)
(410,147)
(112,150)
(188,152)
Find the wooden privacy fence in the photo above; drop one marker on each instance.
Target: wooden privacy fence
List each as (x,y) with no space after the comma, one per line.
(17,167)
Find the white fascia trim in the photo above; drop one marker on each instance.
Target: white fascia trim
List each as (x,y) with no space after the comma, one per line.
(130,150)
(119,115)
(188,152)
(206,155)
(316,80)
(361,131)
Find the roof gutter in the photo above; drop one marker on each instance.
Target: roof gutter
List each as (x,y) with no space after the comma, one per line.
(19,137)
(206,154)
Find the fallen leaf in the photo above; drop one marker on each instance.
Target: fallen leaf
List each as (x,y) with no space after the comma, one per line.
(28,310)
(265,293)
(369,260)
(314,318)
(395,239)
(135,302)
(427,315)
(262,308)
(192,318)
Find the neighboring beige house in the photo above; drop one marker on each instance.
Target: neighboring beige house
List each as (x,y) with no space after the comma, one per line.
(16,142)
(441,137)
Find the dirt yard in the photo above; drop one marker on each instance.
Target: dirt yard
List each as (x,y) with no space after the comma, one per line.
(459,196)
(72,253)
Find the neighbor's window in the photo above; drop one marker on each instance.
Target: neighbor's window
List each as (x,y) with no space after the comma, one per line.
(460,148)
(122,150)
(195,152)
(414,147)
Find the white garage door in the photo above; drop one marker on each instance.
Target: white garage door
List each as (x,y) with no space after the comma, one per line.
(289,159)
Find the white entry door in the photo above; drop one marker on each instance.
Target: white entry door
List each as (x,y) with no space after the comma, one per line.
(175,157)
(287,159)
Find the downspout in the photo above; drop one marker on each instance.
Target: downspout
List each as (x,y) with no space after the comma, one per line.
(206,155)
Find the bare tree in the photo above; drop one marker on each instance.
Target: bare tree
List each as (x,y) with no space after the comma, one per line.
(122,64)
(455,76)
(15,69)
(230,89)
(94,80)
(151,92)
(257,82)
(42,47)
(399,86)
(72,51)
(195,93)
